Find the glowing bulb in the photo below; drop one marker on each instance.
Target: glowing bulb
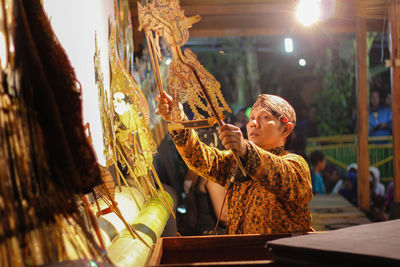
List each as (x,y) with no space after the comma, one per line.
(308,11)
(288,45)
(302,62)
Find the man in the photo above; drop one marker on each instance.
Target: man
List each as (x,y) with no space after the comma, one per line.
(274,196)
(380,117)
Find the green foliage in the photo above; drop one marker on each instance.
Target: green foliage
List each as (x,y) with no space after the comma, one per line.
(337,100)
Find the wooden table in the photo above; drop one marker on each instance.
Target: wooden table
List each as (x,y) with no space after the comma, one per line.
(373,244)
(330,212)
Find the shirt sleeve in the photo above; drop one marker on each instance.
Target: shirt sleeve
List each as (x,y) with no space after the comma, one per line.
(208,162)
(287,176)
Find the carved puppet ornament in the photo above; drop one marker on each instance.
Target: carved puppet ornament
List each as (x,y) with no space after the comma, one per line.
(188,79)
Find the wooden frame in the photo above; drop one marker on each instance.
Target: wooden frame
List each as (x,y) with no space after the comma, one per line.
(213,250)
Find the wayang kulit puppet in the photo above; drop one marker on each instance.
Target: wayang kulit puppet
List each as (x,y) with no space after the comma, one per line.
(188,79)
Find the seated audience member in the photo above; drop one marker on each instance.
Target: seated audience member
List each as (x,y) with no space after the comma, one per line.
(349,189)
(377,192)
(331,176)
(352,168)
(318,164)
(376,186)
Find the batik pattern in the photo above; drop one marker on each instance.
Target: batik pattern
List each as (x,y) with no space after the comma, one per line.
(273,198)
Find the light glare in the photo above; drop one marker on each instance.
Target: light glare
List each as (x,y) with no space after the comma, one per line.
(308,11)
(302,62)
(3,51)
(288,45)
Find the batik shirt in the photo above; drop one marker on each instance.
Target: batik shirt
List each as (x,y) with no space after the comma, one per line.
(274,196)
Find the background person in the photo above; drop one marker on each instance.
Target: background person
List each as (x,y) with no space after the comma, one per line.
(318,162)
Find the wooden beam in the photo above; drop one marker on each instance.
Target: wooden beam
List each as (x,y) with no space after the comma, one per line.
(227,2)
(244,21)
(394,11)
(238,9)
(262,18)
(362,116)
(213,26)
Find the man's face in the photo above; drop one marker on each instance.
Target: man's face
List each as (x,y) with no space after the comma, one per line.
(264,130)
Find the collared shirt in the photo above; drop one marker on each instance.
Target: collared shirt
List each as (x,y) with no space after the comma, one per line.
(273,198)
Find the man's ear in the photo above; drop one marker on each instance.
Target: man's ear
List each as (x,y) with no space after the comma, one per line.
(288,129)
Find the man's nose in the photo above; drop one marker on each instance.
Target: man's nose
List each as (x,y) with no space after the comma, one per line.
(253,123)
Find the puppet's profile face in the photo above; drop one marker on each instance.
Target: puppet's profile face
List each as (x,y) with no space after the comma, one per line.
(120,105)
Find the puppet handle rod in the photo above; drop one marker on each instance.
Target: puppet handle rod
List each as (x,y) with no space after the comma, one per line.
(219,120)
(154,63)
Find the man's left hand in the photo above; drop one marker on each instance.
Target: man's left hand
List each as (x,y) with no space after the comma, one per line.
(232,139)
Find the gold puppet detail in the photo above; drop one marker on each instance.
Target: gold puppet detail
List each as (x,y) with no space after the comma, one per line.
(135,144)
(186,75)
(127,139)
(131,115)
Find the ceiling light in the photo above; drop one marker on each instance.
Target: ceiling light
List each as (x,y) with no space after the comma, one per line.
(288,45)
(308,11)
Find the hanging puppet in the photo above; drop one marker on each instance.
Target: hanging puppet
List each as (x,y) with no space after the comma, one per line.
(186,75)
(188,79)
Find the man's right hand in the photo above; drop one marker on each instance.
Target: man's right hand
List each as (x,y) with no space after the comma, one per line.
(164,106)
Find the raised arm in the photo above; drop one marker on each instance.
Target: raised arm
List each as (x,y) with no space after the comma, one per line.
(208,162)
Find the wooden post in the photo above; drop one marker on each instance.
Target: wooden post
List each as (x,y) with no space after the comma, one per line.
(362,116)
(394,10)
